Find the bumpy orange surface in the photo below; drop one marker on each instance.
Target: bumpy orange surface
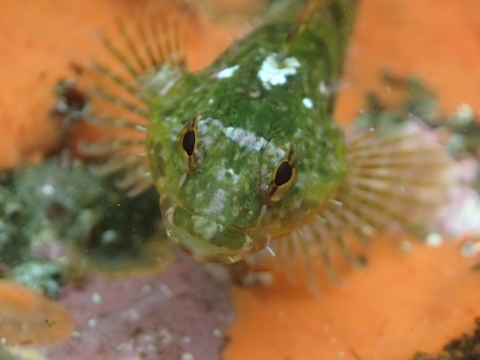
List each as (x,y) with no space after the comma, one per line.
(403,301)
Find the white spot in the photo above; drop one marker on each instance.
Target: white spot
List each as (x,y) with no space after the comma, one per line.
(92,323)
(245,138)
(48,190)
(96,298)
(217,204)
(461,213)
(308,103)
(187,356)
(324,89)
(464,114)
(207,229)
(275,72)
(434,239)
(228,72)
(280,153)
(234,176)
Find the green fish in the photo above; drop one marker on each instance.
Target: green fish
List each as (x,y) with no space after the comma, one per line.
(246,154)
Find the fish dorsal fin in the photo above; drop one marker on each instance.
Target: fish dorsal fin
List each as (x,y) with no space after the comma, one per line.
(399,180)
(148,57)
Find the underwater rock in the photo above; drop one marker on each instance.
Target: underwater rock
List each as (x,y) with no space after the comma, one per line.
(14,243)
(54,202)
(180,314)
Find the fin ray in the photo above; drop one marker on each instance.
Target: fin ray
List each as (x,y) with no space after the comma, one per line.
(400,180)
(154,44)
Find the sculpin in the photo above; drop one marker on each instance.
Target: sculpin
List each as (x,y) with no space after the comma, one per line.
(246,153)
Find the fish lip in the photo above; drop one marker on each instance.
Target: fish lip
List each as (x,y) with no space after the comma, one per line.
(200,249)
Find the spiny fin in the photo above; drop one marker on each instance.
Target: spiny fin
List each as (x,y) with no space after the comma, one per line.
(400,180)
(148,58)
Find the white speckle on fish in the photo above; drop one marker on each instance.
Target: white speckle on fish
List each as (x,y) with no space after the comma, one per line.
(274,71)
(245,138)
(308,103)
(207,229)
(228,72)
(324,89)
(217,204)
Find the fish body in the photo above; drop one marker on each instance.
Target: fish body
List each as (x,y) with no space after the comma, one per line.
(259,105)
(247,153)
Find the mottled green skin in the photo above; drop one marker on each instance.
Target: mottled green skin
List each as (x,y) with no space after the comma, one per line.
(210,210)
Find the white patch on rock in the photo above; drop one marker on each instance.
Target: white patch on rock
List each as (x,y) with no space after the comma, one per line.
(461,213)
(275,71)
(228,72)
(434,239)
(464,114)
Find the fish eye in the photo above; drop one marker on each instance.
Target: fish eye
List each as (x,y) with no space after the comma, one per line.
(283,174)
(186,144)
(283,181)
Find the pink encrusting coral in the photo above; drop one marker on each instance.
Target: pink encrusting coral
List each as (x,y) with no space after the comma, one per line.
(179,314)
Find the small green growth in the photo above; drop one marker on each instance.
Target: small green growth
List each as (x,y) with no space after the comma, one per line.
(14,243)
(42,276)
(418,102)
(65,203)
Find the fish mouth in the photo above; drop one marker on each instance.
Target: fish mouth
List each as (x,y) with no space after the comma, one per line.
(208,240)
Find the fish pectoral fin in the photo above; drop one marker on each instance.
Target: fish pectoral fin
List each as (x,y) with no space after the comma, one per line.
(402,179)
(399,180)
(149,58)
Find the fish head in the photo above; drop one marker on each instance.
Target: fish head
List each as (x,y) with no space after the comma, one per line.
(228,191)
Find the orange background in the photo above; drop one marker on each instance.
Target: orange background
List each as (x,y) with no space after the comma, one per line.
(401,302)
